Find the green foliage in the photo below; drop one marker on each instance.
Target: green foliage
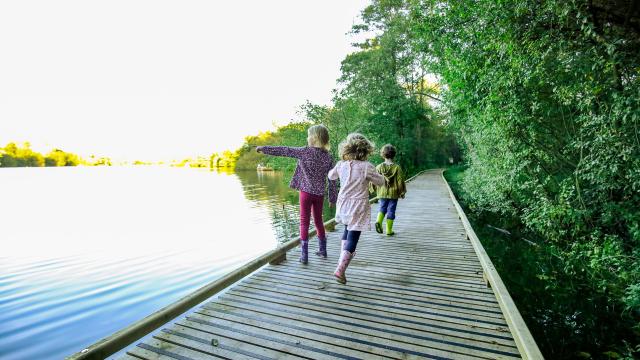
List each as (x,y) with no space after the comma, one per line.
(294,134)
(385,94)
(14,156)
(60,158)
(546,99)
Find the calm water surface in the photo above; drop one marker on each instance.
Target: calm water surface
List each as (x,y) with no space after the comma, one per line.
(85,252)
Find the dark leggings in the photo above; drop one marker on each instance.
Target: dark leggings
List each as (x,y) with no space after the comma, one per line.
(352,238)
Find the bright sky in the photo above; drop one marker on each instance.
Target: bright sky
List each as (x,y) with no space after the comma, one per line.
(157,79)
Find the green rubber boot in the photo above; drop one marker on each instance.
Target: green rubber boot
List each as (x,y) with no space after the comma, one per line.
(379,223)
(390,227)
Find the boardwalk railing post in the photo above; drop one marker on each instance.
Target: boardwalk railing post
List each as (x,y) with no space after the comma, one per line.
(486,280)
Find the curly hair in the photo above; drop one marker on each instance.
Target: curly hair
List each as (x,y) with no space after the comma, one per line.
(355,147)
(388,151)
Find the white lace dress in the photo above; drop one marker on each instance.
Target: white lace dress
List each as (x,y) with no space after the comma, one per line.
(352,207)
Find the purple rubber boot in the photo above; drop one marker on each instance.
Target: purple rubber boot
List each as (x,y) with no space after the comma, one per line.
(304,254)
(322,248)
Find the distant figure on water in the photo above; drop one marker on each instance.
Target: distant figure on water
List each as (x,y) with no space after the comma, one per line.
(393,189)
(353,209)
(310,178)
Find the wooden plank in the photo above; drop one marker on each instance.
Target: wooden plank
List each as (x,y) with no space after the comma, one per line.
(452,340)
(224,346)
(129,357)
(358,313)
(159,347)
(410,333)
(140,353)
(378,268)
(356,274)
(392,284)
(309,331)
(346,342)
(362,269)
(373,291)
(380,321)
(366,302)
(282,342)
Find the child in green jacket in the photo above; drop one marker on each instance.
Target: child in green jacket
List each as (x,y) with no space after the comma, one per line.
(393,189)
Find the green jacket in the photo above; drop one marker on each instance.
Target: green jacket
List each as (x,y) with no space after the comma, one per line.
(394,187)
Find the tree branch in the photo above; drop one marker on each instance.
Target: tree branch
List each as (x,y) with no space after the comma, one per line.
(427,95)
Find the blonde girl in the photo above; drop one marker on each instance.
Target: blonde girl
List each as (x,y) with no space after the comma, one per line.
(352,208)
(310,178)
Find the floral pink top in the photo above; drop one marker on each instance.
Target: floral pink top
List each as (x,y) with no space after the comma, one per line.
(352,207)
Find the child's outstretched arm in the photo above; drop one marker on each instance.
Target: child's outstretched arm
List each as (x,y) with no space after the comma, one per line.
(294,152)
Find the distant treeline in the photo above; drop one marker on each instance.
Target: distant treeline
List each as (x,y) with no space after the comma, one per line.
(13,155)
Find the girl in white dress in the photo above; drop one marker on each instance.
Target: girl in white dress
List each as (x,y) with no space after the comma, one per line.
(352,208)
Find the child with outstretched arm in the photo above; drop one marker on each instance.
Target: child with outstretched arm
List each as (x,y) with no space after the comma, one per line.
(310,178)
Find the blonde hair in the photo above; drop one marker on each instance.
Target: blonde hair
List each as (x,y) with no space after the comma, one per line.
(318,136)
(355,147)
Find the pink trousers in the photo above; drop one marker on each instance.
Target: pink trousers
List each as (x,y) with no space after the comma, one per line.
(311,204)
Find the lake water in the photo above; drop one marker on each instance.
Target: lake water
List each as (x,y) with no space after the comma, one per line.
(87,251)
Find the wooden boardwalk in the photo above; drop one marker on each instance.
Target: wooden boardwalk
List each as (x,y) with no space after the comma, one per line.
(419,294)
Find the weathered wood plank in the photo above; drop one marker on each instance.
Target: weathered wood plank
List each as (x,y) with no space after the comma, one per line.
(453,341)
(373,290)
(368,303)
(185,333)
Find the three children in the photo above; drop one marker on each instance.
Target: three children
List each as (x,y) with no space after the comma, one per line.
(356,176)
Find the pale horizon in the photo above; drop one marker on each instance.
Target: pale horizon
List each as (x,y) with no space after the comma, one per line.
(159,80)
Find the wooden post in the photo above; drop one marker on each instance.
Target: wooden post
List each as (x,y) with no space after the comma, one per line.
(486,280)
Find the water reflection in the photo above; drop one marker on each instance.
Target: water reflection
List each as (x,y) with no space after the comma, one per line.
(271,190)
(87,251)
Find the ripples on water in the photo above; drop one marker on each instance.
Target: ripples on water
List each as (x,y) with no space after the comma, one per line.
(88,251)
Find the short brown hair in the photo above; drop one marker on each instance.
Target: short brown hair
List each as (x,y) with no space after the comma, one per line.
(355,147)
(388,151)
